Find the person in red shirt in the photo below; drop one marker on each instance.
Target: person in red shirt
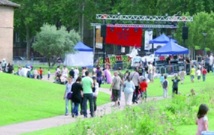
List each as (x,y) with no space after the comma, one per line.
(40,72)
(204,72)
(143,87)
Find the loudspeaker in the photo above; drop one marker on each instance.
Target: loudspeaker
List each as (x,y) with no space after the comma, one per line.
(103,30)
(185,32)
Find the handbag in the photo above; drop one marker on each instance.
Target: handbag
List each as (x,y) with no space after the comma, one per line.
(69,96)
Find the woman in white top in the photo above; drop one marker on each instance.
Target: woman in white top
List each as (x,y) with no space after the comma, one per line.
(129,88)
(67,90)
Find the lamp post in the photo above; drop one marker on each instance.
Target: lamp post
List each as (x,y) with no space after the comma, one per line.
(103,34)
(204,34)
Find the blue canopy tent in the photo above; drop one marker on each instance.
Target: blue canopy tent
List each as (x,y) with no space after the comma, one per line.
(83,56)
(172,48)
(161,39)
(82,47)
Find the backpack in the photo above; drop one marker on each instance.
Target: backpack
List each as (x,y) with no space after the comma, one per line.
(165,84)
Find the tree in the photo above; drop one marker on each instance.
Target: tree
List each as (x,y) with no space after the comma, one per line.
(53,43)
(202,23)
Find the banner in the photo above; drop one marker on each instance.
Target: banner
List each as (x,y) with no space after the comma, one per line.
(99,39)
(124,36)
(148,37)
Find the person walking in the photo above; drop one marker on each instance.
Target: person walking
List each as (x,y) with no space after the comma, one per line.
(202,120)
(161,79)
(76,96)
(128,90)
(99,76)
(204,72)
(198,73)
(134,76)
(182,74)
(175,85)
(67,90)
(115,88)
(165,87)
(40,71)
(95,90)
(143,87)
(49,74)
(192,73)
(87,84)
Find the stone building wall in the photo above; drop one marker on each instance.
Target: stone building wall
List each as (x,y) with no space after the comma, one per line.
(6,32)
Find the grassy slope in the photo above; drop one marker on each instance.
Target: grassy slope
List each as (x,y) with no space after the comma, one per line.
(156,90)
(24,99)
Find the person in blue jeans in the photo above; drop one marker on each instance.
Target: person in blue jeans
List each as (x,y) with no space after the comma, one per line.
(76,96)
(67,90)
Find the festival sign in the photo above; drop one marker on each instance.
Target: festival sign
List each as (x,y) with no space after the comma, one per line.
(114,59)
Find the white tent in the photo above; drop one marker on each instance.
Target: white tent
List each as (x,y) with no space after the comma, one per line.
(83,56)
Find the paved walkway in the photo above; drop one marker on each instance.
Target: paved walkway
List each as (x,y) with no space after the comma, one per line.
(35,125)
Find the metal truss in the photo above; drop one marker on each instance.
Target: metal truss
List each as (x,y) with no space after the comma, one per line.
(138,25)
(144,18)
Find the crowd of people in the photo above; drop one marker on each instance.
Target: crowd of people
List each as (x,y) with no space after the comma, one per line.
(84,85)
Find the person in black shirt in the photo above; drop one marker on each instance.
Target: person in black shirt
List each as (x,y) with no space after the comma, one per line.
(71,73)
(175,85)
(77,95)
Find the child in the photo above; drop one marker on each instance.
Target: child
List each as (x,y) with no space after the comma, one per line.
(165,87)
(204,72)
(192,73)
(143,87)
(175,85)
(198,73)
(182,75)
(161,79)
(202,120)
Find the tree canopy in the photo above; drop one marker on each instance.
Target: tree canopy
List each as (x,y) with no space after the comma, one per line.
(53,43)
(79,14)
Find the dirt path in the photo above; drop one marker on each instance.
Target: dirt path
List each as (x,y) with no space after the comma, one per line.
(35,125)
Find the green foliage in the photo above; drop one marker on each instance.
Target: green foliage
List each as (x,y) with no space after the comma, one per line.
(202,23)
(52,42)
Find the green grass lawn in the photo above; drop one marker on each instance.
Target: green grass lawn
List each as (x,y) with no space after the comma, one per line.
(23,99)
